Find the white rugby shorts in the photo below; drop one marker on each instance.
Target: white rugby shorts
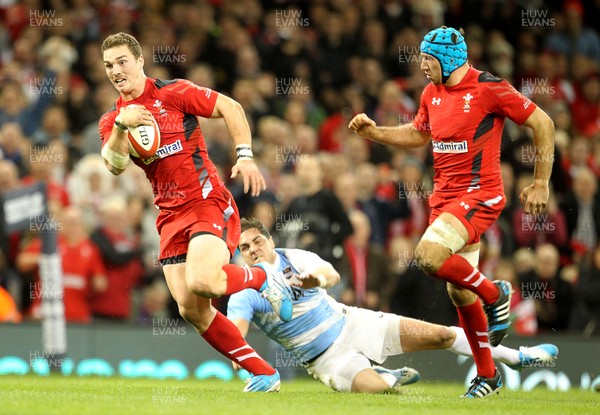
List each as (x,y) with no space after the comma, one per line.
(367,336)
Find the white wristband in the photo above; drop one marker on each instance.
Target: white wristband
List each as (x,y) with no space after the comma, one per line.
(244,152)
(118,160)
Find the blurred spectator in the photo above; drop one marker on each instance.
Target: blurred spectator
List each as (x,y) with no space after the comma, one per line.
(14,146)
(531,230)
(287,191)
(380,212)
(595,161)
(266,213)
(409,286)
(578,157)
(586,107)
(120,248)
(154,301)
(365,268)
(523,260)
(321,223)
(49,165)
(523,309)
(83,272)
(55,126)
(574,36)
(333,129)
(89,185)
(552,294)
(345,190)
(414,190)
(333,48)
(15,106)
(9,311)
(586,311)
(9,176)
(582,209)
(394,105)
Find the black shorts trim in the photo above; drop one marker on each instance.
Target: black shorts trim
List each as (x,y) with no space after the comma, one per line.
(179,259)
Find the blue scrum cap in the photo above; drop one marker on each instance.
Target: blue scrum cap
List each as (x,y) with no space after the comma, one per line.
(448,46)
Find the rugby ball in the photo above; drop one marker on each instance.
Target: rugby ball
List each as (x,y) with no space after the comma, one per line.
(144,140)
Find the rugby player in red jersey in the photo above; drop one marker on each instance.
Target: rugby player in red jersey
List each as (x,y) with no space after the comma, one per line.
(198,222)
(462,114)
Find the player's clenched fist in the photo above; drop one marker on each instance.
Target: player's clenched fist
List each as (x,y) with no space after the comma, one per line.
(362,125)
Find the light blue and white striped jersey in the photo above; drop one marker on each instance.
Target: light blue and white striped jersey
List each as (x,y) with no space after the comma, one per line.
(317,319)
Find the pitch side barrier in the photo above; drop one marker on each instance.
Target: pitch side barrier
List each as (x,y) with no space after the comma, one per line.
(170,348)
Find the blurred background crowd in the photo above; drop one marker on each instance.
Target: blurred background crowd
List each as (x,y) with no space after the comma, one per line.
(301,70)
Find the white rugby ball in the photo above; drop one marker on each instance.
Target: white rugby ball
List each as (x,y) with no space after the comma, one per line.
(144,140)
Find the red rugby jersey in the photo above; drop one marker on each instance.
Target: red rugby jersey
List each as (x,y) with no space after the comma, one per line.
(181,171)
(466,122)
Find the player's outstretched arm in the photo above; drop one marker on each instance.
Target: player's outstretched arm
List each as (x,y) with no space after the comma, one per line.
(324,276)
(535,196)
(238,127)
(405,135)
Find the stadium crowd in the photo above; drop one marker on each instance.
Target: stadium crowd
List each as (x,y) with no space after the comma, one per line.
(301,70)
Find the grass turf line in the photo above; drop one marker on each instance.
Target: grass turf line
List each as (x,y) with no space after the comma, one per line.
(28,395)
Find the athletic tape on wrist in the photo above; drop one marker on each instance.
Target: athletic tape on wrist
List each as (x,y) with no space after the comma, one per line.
(120,126)
(244,152)
(117,160)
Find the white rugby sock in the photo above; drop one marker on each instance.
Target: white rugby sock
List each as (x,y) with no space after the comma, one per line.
(502,353)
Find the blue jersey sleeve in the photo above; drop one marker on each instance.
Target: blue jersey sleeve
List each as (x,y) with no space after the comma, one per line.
(243,305)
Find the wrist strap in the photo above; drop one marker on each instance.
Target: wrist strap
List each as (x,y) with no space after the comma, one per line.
(244,152)
(118,160)
(120,126)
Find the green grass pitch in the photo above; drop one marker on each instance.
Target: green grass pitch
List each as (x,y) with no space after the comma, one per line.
(27,395)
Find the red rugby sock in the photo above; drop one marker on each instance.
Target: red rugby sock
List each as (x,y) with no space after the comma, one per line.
(458,271)
(474,323)
(239,278)
(225,337)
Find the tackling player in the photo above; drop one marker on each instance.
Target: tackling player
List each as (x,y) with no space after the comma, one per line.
(337,343)
(198,221)
(462,114)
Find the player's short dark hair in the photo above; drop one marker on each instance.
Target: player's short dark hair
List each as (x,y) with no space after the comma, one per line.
(122,38)
(254,223)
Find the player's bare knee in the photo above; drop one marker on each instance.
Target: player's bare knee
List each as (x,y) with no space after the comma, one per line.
(445,337)
(190,315)
(199,319)
(202,284)
(430,256)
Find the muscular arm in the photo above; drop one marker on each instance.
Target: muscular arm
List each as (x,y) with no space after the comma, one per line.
(235,118)
(237,124)
(535,196)
(118,143)
(326,272)
(405,135)
(543,138)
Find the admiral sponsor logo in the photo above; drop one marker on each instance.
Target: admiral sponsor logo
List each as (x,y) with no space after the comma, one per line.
(164,151)
(450,146)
